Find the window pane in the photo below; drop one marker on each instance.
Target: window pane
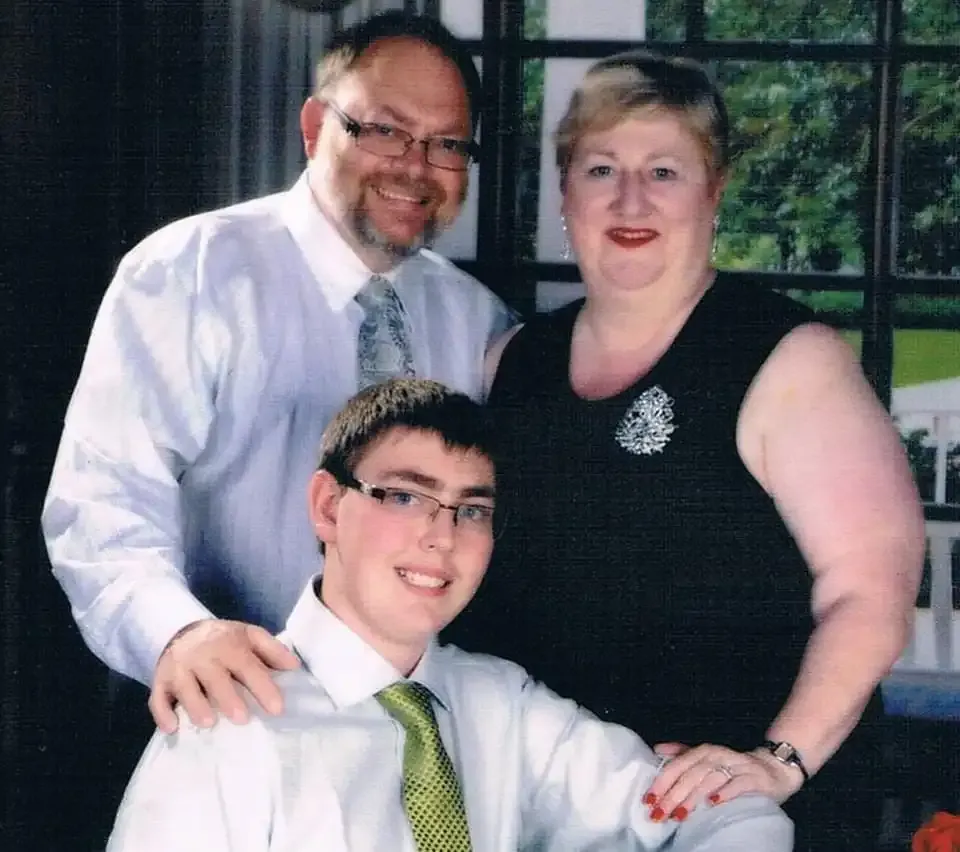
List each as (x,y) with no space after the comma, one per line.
(463,18)
(535,19)
(459,242)
(841,309)
(801,138)
(666,20)
(529,142)
(933,653)
(555,294)
(565,19)
(926,391)
(929,203)
(792,20)
(931,21)
(547,89)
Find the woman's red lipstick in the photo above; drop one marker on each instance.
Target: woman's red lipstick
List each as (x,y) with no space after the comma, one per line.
(632,237)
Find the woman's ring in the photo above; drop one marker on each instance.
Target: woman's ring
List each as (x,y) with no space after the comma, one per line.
(725,770)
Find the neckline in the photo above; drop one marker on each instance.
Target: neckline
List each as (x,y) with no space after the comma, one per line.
(693,321)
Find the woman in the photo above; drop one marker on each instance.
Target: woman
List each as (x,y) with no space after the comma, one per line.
(714,535)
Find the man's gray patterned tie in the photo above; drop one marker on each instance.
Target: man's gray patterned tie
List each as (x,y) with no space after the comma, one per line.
(383,342)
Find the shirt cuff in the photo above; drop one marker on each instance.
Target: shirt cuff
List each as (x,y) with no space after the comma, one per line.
(152,618)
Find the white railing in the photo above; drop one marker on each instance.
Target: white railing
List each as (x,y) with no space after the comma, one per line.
(943,431)
(934,652)
(935,648)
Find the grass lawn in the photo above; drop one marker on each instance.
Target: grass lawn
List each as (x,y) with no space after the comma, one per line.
(920,355)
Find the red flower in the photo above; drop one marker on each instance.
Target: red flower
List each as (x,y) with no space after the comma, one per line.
(940,834)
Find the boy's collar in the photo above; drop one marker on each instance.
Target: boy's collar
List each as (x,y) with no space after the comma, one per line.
(345,665)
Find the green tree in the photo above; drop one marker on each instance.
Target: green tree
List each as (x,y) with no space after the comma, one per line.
(800,136)
(930,169)
(799,197)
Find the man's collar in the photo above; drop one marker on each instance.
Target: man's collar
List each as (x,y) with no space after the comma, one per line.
(346,666)
(338,270)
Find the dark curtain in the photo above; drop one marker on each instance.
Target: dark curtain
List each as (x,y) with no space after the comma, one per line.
(116,116)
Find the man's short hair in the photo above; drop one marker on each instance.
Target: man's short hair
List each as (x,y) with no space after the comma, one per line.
(417,404)
(347,46)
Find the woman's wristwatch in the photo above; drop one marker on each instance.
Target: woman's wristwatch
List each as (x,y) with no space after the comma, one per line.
(787,755)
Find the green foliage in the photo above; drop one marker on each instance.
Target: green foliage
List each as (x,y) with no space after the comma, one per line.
(799,197)
(532,97)
(800,136)
(930,185)
(791,20)
(932,21)
(926,312)
(666,20)
(922,458)
(535,19)
(847,304)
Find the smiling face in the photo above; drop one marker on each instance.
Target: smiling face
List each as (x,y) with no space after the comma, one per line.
(639,203)
(398,580)
(387,208)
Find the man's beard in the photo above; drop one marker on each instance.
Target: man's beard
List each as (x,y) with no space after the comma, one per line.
(371,237)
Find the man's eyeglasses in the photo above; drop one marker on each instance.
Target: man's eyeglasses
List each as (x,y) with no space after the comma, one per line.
(385,140)
(468,517)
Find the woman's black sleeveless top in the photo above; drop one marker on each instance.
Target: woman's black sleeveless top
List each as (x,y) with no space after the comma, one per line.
(643,571)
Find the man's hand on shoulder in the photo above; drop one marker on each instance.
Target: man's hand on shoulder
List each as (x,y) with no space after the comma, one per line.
(202,665)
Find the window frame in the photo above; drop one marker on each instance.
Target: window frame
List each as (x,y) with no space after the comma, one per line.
(503,49)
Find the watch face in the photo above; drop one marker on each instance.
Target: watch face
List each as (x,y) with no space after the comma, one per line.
(786,753)
(783,752)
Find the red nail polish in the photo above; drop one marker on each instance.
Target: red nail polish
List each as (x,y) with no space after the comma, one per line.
(657,814)
(714,798)
(680,814)
(650,799)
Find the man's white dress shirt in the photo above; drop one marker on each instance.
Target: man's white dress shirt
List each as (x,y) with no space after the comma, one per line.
(222,348)
(538,772)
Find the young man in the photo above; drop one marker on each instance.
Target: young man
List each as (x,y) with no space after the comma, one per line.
(223,345)
(388,740)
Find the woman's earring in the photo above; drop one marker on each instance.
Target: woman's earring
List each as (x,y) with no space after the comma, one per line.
(566,252)
(716,239)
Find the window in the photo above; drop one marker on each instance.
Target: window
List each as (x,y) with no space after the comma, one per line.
(845,191)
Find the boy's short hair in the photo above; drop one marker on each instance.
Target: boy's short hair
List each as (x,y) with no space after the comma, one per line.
(418,404)
(348,45)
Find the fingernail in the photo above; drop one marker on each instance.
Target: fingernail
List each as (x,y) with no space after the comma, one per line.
(650,799)
(714,798)
(657,814)
(680,814)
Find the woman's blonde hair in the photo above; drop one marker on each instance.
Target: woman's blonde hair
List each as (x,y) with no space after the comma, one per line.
(636,81)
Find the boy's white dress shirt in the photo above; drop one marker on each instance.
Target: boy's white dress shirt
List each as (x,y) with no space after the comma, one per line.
(538,772)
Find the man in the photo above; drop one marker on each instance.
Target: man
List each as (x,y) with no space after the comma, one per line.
(222,347)
(390,741)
